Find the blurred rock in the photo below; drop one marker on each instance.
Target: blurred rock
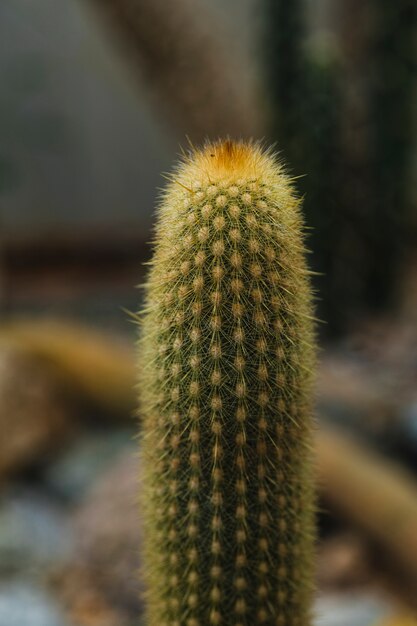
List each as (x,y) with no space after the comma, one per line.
(90,456)
(34,533)
(355,609)
(83,603)
(23,604)
(350,393)
(368,382)
(107,528)
(372,392)
(34,420)
(343,562)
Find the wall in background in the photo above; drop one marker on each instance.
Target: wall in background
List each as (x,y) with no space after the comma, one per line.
(79,141)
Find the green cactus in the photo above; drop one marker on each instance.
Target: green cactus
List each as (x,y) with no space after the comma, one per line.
(302,74)
(285,32)
(351,116)
(323,198)
(392,78)
(227,351)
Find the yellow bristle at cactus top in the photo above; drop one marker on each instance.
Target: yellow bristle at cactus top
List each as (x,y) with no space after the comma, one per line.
(226,356)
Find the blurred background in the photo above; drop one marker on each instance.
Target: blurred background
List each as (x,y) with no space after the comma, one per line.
(97,97)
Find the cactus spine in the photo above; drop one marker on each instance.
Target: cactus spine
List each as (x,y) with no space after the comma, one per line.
(227,352)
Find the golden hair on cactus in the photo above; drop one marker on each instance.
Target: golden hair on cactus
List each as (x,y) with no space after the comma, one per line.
(226,354)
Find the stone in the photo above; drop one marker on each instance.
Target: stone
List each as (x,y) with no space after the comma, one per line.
(34,532)
(24,604)
(350,609)
(85,460)
(107,530)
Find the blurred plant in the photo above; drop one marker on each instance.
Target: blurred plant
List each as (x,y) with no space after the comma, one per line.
(226,358)
(359,210)
(305,92)
(322,181)
(393,78)
(92,367)
(376,496)
(286,63)
(179,52)
(34,418)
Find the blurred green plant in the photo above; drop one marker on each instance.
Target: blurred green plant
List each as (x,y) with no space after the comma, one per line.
(357,237)
(393,79)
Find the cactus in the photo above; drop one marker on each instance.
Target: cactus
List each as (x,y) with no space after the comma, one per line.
(286,68)
(227,350)
(392,77)
(323,201)
(302,74)
(353,118)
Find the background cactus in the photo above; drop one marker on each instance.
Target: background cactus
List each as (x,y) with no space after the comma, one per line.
(321,153)
(348,113)
(286,69)
(392,77)
(303,80)
(226,357)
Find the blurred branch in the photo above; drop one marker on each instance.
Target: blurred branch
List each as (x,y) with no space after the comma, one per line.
(401,619)
(91,366)
(378,497)
(34,416)
(176,47)
(378,118)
